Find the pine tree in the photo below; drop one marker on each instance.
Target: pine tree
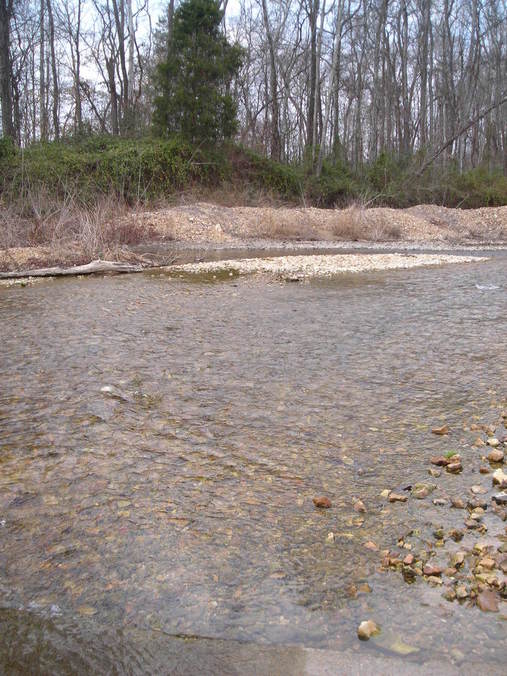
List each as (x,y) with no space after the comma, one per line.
(194,81)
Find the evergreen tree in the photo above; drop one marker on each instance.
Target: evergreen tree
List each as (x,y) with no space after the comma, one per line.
(194,82)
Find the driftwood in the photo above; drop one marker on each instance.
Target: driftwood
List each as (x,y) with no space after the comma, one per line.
(95,267)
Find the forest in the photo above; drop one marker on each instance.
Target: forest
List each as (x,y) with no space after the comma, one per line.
(396,101)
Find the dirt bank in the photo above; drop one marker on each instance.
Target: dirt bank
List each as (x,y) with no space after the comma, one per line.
(209,225)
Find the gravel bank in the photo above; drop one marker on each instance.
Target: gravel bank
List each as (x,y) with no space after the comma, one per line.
(323,265)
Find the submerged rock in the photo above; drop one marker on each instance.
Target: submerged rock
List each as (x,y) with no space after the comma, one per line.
(441,430)
(359,506)
(493,442)
(457,503)
(454,467)
(487,601)
(500,478)
(322,502)
(500,498)
(397,497)
(367,629)
(496,455)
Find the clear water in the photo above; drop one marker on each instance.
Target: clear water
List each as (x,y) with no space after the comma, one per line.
(177,503)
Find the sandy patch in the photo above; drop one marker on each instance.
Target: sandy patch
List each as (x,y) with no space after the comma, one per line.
(323,265)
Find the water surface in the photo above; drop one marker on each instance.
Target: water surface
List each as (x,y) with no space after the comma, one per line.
(161,441)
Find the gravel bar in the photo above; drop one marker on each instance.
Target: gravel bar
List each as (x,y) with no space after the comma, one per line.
(323,265)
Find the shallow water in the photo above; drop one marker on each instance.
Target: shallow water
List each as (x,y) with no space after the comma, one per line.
(162,439)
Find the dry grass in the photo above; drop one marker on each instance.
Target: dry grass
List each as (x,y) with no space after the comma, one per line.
(70,233)
(280,225)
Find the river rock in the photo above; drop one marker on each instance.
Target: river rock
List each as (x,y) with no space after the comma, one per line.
(500,498)
(440,502)
(488,601)
(456,534)
(409,559)
(371,546)
(454,467)
(484,470)
(432,570)
(421,491)
(435,473)
(458,559)
(441,431)
(440,460)
(367,629)
(500,478)
(359,506)
(457,503)
(397,497)
(461,592)
(496,455)
(488,563)
(493,442)
(478,490)
(322,502)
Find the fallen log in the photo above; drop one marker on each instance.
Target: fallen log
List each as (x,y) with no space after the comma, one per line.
(95,267)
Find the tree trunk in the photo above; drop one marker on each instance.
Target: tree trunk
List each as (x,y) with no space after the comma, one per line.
(5,68)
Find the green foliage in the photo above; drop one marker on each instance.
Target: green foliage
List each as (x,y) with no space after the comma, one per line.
(143,170)
(383,172)
(281,179)
(335,186)
(136,170)
(7,148)
(193,82)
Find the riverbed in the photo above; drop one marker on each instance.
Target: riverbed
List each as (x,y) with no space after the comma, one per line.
(162,439)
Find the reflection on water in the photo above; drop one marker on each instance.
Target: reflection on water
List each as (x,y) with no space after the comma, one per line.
(161,441)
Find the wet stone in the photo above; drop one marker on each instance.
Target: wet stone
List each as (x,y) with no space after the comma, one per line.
(441,431)
(500,498)
(322,502)
(432,570)
(457,503)
(397,497)
(454,467)
(500,478)
(496,455)
(456,534)
(487,601)
(440,502)
(367,629)
(493,442)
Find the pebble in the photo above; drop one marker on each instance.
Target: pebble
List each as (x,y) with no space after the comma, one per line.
(488,563)
(487,601)
(461,592)
(496,455)
(366,629)
(454,467)
(409,559)
(484,470)
(359,506)
(493,442)
(431,570)
(396,497)
(441,430)
(458,559)
(322,502)
(479,490)
(371,546)
(440,460)
(457,503)
(456,534)
(435,473)
(330,537)
(420,491)
(500,478)
(479,442)
(440,502)
(500,498)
